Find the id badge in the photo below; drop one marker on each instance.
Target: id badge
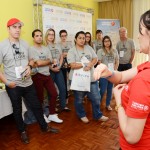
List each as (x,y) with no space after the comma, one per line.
(111,66)
(121,53)
(18,71)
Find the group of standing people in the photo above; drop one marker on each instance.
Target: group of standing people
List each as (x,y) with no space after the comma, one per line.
(45,62)
(18,64)
(119,59)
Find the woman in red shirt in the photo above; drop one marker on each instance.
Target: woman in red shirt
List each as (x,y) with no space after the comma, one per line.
(133,95)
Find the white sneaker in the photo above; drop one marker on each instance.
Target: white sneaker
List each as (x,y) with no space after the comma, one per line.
(54,118)
(103,118)
(109,108)
(84,120)
(46,119)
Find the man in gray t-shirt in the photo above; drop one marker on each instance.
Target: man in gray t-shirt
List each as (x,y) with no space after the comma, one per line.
(126,50)
(97,44)
(17,68)
(42,56)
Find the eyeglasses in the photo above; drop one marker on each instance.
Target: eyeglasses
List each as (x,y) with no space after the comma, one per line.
(16,48)
(107,41)
(122,32)
(63,36)
(50,34)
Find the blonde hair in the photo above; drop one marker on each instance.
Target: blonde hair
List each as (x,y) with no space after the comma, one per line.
(46,36)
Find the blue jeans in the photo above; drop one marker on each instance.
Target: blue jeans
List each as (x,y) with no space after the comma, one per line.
(94,97)
(59,80)
(105,84)
(30,96)
(29,117)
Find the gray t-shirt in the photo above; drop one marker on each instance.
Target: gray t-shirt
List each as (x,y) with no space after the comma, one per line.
(66,48)
(75,55)
(97,45)
(13,55)
(55,52)
(108,58)
(41,54)
(125,50)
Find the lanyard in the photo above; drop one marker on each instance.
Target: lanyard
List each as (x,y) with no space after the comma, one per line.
(124,44)
(52,48)
(78,53)
(64,48)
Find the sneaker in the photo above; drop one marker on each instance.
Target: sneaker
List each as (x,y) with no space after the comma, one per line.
(84,120)
(103,118)
(54,118)
(46,119)
(24,138)
(66,109)
(109,108)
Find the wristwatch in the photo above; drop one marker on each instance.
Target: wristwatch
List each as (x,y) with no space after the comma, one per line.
(110,75)
(117,107)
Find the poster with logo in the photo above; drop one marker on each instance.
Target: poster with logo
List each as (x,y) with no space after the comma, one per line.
(110,27)
(60,18)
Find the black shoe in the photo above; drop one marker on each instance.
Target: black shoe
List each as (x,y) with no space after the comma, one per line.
(50,129)
(24,138)
(66,109)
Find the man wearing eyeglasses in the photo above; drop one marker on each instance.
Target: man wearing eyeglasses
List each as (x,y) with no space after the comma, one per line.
(17,69)
(97,44)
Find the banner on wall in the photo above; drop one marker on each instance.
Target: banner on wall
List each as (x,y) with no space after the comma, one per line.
(60,18)
(110,27)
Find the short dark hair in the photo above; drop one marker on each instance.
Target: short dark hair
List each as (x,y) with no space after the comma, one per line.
(80,32)
(62,31)
(36,30)
(145,20)
(99,31)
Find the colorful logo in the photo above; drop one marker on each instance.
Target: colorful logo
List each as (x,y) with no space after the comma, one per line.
(112,23)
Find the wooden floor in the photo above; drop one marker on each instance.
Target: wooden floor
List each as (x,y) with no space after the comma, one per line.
(74,134)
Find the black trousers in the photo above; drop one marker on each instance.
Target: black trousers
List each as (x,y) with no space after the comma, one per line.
(30,96)
(123,67)
(65,71)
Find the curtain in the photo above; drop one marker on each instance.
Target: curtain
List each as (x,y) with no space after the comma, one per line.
(118,9)
(128,12)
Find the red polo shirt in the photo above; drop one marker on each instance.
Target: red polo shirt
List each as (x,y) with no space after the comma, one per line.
(136,102)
